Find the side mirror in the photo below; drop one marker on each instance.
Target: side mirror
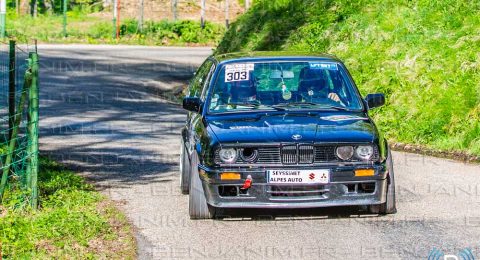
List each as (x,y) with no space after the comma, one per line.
(191,104)
(375,100)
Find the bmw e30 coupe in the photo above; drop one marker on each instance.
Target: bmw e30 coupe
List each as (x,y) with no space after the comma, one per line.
(281,130)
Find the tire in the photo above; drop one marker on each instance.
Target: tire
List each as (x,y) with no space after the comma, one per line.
(197,204)
(389,207)
(184,166)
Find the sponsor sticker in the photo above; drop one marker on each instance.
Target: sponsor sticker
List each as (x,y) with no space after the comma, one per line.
(298,176)
(323,66)
(238,72)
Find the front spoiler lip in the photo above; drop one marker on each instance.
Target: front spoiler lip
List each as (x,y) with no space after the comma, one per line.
(295,204)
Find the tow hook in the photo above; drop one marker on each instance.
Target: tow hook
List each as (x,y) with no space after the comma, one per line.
(248,183)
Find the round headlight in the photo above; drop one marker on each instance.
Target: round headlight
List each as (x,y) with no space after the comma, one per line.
(248,154)
(345,152)
(364,152)
(228,155)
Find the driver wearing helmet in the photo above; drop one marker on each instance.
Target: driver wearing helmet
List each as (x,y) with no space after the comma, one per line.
(313,85)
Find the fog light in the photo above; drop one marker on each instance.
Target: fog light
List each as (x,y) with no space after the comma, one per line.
(364,172)
(230,176)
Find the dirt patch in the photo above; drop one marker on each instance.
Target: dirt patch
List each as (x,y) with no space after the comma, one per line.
(123,245)
(419,149)
(47,246)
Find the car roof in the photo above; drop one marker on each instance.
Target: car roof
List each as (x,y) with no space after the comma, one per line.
(269,55)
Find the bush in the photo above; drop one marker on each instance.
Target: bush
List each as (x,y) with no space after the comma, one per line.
(82,28)
(185,31)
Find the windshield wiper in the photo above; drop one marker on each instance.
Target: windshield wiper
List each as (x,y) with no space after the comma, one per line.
(250,105)
(338,108)
(282,106)
(309,104)
(296,104)
(255,105)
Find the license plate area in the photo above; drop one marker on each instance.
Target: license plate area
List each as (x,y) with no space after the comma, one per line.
(298,176)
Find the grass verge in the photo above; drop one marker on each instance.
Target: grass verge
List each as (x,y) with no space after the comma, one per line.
(424,55)
(74,221)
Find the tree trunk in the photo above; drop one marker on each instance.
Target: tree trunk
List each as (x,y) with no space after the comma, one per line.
(24,7)
(33,8)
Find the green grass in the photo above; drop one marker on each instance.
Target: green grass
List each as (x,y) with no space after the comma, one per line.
(91,29)
(424,55)
(73,221)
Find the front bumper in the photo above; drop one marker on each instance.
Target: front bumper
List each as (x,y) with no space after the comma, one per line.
(344,188)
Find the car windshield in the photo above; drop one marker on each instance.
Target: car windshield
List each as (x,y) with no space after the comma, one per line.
(283,86)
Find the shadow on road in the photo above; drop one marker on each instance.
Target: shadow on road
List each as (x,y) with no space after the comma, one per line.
(107,119)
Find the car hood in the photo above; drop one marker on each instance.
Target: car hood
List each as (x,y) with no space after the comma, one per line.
(279,128)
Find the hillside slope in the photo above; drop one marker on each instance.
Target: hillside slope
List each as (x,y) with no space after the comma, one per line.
(424,55)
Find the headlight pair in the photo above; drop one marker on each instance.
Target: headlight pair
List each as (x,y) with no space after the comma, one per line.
(362,152)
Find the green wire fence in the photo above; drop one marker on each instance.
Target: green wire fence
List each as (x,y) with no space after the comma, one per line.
(19,102)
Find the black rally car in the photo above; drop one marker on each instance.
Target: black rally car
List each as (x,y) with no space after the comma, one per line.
(281,130)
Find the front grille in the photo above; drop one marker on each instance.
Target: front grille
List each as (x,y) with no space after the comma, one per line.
(289,154)
(297,154)
(305,154)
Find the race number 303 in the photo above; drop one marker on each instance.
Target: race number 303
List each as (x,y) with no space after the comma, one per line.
(237,76)
(238,72)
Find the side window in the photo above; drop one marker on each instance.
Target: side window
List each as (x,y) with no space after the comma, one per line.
(196,86)
(207,79)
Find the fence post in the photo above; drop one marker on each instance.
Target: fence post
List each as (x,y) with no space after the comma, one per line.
(65,18)
(11,88)
(118,19)
(174,9)
(114,20)
(140,16)
(3,17)
(227,10)
(202,14)
(33,106)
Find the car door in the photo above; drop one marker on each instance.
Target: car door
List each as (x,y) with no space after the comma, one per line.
(198,88)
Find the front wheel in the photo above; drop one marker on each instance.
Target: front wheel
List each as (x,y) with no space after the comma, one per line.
(389,207)
(197,203)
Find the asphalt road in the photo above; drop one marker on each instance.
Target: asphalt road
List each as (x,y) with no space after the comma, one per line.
(103,114)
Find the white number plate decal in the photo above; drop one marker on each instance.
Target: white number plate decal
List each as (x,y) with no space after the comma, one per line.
(298,176)
(238,72)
